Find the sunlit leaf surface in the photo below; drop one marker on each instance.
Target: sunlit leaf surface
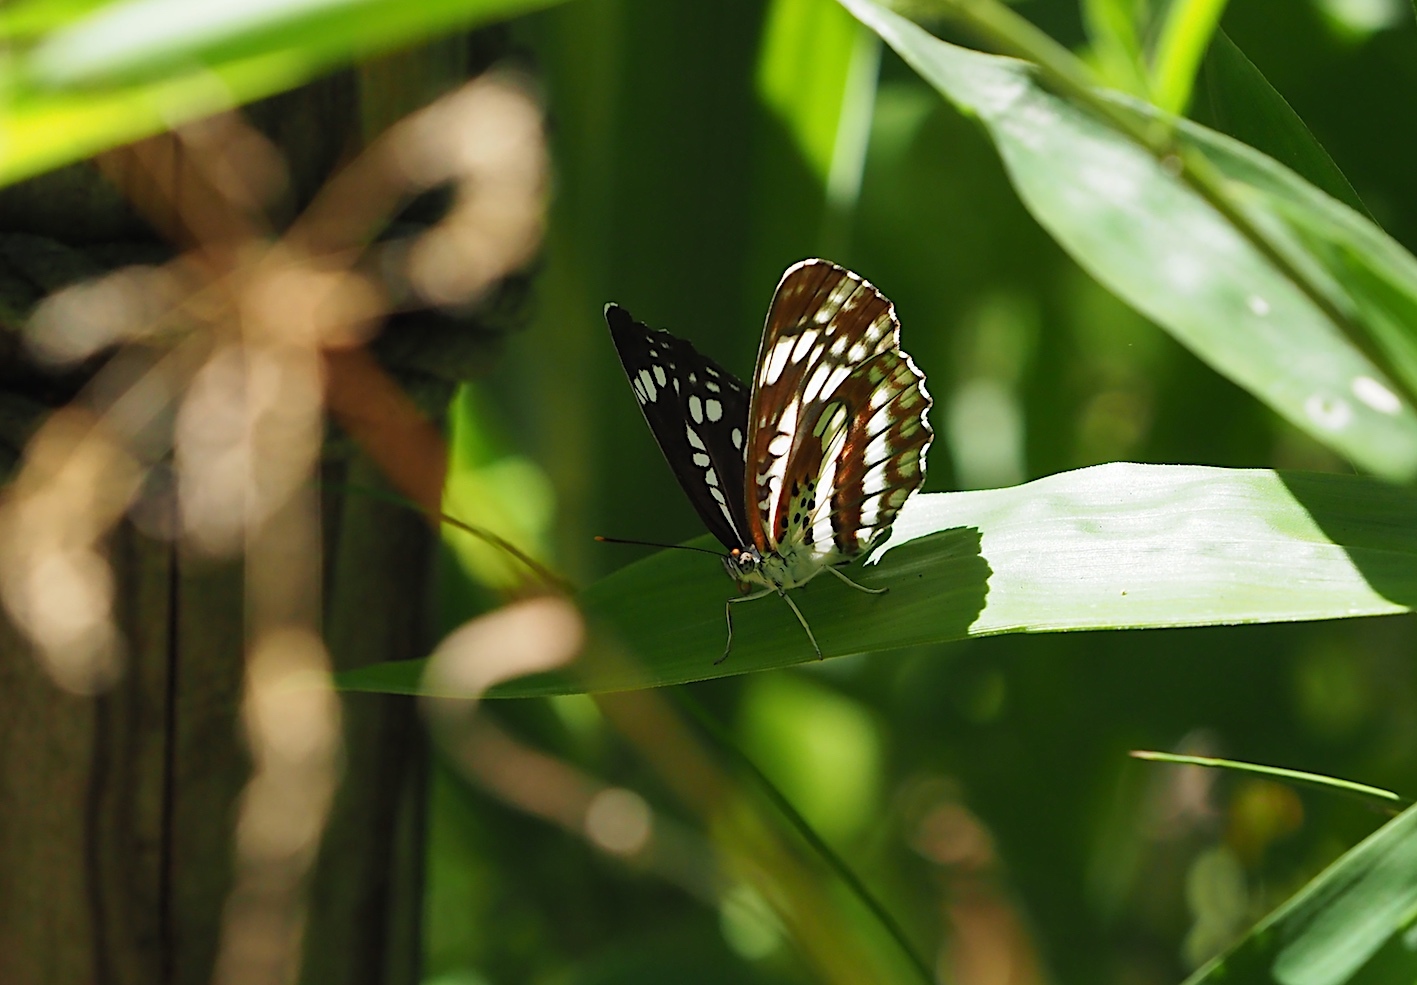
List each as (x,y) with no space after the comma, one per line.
(1140,230)
(1110,547)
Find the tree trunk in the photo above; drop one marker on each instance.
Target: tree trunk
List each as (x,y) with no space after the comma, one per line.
(117,812)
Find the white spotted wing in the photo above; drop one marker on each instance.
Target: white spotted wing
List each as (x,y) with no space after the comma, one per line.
(837,426)
(698,412)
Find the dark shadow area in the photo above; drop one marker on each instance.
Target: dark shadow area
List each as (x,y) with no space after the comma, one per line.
(1375,523)
(667,611)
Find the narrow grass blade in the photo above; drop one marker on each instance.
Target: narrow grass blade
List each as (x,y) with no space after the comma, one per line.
(1185,34)
(825,852)
(1315,781)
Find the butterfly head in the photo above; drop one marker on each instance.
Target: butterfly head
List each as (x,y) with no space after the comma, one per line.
(742,564)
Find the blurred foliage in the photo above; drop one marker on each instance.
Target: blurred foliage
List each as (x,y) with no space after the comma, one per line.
(982,789)
(81,76)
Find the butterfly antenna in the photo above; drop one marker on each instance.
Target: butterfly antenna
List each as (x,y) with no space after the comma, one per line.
(651,543)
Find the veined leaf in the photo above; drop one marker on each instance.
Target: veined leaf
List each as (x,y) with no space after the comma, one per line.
(1110,547)
(1135,225)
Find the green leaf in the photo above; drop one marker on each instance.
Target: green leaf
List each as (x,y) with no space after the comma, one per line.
(1110,547)
(1244,105)
(1352,924)
(1298,778)
(1359,267)
(1130,221)
(804,71)
(1185,34)
(1116,48)
(129,70)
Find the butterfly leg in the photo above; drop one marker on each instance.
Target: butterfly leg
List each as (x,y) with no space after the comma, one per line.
(859,588)
(803,620)
(728,615)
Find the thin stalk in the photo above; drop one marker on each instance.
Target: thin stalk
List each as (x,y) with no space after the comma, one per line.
(808,834)
(1315,781)
(549,579)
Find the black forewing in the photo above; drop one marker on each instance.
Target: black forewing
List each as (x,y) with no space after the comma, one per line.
(698,412)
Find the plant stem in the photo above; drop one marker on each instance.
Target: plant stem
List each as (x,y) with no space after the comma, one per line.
(833,861)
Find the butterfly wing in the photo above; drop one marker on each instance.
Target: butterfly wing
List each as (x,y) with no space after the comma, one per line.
(698,412)
(838,423)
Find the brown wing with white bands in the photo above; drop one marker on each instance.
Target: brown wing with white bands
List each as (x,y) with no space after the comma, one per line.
(838,424)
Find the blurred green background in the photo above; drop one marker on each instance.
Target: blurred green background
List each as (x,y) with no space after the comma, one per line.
(981,788)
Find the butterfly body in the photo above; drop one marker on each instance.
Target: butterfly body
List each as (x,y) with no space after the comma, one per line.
(806,471)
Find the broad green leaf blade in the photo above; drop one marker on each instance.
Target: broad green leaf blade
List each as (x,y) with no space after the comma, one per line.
(1153,241)
(1185,34)
(1351,925)
(1109,547)
(1357,265)
(140,76)
(1244,105)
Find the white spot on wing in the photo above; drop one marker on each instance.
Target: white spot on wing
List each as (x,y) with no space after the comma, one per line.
(804,345)
(814,385)
(878,450)
(874,481)
(737,437)
(835,380)
(694,439)
(714,409)
(776,361)
(659,375)
(881,396)
(870,513)
(700,459)
(696,409)
(647,382)
(880,420)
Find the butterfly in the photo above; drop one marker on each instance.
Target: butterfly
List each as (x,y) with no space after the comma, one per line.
(806,471)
